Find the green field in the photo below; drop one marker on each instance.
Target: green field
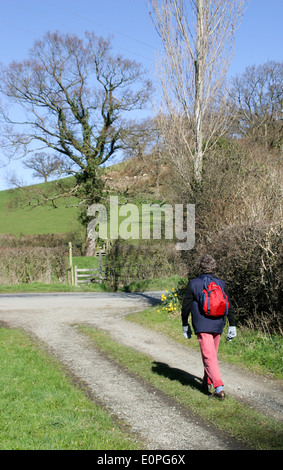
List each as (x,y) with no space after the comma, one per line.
(39,220)
(19,219)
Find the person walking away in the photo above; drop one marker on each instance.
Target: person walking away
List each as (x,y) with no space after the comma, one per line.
(206,326)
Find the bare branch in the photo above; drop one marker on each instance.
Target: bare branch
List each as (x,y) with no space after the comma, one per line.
(198,38)
(72,95)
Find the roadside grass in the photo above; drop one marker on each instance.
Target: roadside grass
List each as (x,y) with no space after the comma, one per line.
(84,262)
(241,422)
(42,410)
(38,287)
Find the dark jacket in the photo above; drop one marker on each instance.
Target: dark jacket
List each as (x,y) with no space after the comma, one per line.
(201,323)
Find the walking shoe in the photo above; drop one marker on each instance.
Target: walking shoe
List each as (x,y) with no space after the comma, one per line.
(220,395)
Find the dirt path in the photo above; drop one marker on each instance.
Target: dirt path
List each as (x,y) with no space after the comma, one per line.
(158,420)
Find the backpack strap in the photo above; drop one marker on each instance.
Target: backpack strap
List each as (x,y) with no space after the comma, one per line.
(206,282)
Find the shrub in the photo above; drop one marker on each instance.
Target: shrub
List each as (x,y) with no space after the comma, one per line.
(126,262)
(26,265)
(48,240)
(249,258)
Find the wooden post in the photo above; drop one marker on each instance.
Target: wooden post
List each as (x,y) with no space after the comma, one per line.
(76,276)
(71,262)
(100,268)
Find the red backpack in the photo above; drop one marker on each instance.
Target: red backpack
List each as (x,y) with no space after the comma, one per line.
(213,300)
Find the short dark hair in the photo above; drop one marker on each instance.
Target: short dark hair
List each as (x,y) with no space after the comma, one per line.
(206,264)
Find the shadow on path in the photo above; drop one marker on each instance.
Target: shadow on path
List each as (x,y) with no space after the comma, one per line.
(179,375)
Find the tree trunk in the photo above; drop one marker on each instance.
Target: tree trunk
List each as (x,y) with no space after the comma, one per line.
(156,185)
(199,82)
(90,246)
(198,37)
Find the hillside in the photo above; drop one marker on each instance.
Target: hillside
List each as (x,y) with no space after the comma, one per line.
(123,178)
(40,220)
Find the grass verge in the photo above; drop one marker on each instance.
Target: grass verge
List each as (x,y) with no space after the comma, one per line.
(38,287)
(136,286)
(42,410)
(239,421)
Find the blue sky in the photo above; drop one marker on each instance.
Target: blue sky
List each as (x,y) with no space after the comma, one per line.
(260,37)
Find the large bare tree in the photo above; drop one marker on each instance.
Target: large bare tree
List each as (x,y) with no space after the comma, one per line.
(197,37)
(73,95)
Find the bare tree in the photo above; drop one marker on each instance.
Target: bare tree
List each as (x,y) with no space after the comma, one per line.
(43,165)
(146,144)
(198,38)
(257,96)
(73,95)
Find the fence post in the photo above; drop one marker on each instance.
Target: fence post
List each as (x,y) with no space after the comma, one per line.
(76,276)
(100,268)
(71,262)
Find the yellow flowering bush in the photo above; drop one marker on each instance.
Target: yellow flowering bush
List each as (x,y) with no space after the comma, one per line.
(171,301)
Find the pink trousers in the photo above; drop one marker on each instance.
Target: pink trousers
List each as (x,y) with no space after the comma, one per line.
(209,343)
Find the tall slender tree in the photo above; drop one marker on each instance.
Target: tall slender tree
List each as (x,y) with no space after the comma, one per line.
(198,38)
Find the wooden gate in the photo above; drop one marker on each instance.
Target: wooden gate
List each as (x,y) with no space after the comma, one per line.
(87,275)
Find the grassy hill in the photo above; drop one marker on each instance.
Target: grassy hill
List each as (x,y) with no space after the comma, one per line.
(39,220)
(16,218)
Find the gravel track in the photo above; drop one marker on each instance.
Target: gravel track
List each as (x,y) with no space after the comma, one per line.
(155,418)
